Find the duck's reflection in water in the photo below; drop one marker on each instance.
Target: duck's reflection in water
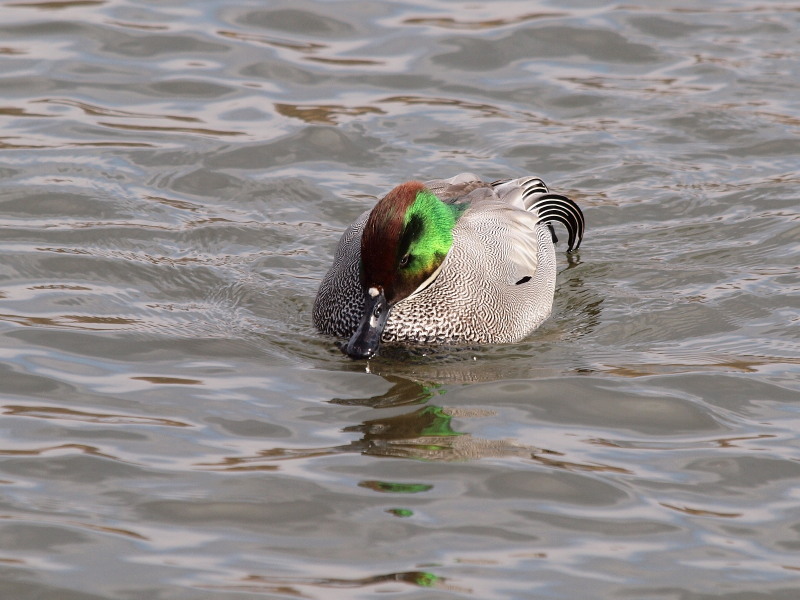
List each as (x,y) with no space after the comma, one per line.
(424,433)
(427,432)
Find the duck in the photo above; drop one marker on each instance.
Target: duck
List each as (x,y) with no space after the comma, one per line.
(451,262)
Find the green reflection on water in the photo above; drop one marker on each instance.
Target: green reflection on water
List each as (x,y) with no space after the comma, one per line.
(401,512)
(395,487)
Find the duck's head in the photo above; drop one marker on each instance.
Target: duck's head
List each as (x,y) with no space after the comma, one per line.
(404,243)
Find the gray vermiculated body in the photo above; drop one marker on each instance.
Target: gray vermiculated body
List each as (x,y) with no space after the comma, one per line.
(476,297)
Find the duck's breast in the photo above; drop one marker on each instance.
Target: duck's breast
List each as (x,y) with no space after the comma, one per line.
(340,301)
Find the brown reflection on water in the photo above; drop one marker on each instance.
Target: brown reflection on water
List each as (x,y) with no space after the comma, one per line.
(31,145)
(174,203)
(291,585)
(61,286)
(345,62)
(544,458)
(304,47)
(460,24)
(269,455)
(402,393)
(240,465)
(699,512)
(154,129)
(650,85)
(327,114)
(68,414)
(101,111)
(141,26)
(72,321)
(60,449)
(730,441)
(15,111)
(160,380)
(127,533)
(57,5)
(112,530)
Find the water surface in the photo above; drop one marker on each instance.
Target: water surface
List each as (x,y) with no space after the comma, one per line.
(174,177)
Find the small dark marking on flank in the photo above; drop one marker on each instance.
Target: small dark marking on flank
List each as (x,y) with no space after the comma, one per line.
(525,279)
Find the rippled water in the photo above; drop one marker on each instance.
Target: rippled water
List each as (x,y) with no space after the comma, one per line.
(173,179)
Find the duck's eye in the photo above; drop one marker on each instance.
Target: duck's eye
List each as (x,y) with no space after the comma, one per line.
(405,260)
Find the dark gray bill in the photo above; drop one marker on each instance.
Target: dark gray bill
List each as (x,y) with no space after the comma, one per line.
(365,341)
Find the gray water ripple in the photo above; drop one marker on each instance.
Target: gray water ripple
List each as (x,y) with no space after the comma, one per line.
(174,178)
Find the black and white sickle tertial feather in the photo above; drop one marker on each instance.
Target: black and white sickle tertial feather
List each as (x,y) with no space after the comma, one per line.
(534,197)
